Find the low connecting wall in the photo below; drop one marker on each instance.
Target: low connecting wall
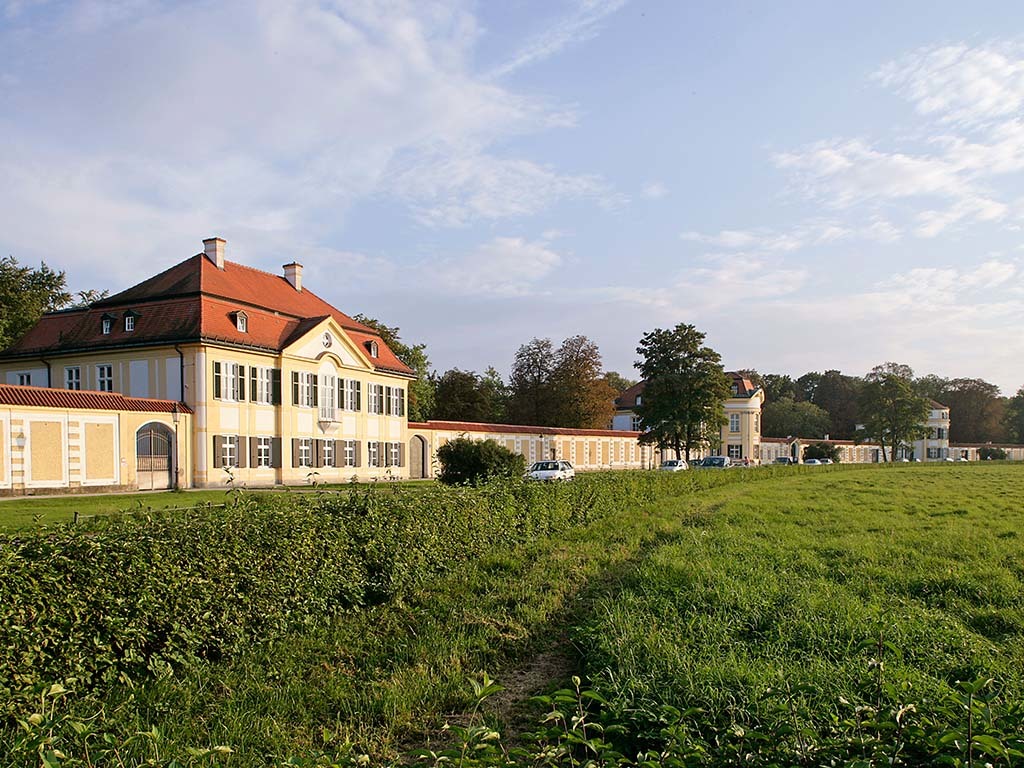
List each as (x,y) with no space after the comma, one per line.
(59,441)
(586,449)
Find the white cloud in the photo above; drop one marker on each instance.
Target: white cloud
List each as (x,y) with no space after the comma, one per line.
(960,84)
(503,267)
(583,23)
(228,118)
(654,190)
(807,234)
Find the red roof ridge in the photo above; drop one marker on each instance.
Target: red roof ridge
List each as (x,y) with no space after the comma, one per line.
(46,397)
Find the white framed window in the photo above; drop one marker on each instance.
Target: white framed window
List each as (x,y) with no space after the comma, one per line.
(25,379)
(129,323)
(933,453)
(328,454)
(396,401)
(353,395)
(374,349)
(757,423)
(263,452)
(375,399)
(306,452)
(72,377)
(734,422)
(105,378)
(229,451)
(328,386)
(106,326)
(242,322)
(228,381)
(372,454)
(306,385)
(636,425)
(263,391)
(350,453)
(735,452)
(394,454)
(639,399)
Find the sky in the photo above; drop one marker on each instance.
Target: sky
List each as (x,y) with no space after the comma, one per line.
(813,185)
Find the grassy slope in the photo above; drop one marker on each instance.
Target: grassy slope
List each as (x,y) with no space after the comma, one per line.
(776,589)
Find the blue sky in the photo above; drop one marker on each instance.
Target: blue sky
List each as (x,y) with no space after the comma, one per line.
(814,185)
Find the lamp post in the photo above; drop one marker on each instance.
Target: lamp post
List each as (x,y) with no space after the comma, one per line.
(175,416)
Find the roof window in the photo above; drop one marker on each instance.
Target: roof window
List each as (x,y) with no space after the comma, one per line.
(242,322)
(129,322)
(106,325)
(374,349)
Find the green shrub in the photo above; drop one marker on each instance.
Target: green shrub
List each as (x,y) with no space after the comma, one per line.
(471,462)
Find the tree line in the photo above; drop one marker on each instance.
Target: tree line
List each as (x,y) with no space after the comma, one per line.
(834,404)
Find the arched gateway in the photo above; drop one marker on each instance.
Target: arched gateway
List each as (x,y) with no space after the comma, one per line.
(153,457)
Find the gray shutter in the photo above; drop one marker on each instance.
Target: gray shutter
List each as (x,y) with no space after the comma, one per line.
(314,388)
(359,394)
(240,451)
(253,387)
(295,387)
(275,452)
(401,454)
(254,456)
(275,386)
(382,457)
(216,381)
(401,402)
(387,400)
(359,453)
(295,451)
(318,453)
(241,383)
(339,396)
(218,451)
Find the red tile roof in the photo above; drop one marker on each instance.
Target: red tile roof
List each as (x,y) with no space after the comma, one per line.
(517,429)
(41,397)
(194,301)
(627,398)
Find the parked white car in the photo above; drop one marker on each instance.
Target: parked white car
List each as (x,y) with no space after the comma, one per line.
(812,463)
(551,470)
(674,465)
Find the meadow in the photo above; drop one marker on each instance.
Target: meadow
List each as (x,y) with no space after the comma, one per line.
(826,616)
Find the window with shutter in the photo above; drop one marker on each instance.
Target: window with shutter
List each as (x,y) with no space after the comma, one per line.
(217,384)
(295,388)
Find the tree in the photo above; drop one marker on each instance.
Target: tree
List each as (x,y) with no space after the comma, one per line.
(421,390)
(777,386)
(496,394)
(806,386)
(991,453)
(893,413)
(86,298)
(686,388)
(788,418)
(1014,418)
(751,375)
(25,294)
(583,399)
(822,451)
(459,396)
(838,395)
(976,411)
(531,396)
(617,381)
(933,387)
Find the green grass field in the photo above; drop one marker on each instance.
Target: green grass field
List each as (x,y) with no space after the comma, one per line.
(821,616)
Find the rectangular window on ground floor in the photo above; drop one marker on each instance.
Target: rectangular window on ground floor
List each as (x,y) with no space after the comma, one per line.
(305,452)
(350,453)
(373,454)
(263,452)
(328,453)
(72,377)
(229,451)
(105,378)
(735,452)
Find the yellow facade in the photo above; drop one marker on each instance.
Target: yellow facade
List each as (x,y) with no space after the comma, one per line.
(48,449)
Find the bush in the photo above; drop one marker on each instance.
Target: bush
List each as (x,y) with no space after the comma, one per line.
(990,453)
(471,462)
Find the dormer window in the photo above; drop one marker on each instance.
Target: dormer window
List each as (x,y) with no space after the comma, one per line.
(106,325)
(242,322)
(374,350)
(639,399)
(129,323)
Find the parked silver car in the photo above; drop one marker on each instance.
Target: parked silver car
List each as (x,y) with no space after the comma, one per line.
(674,465)
(716,462)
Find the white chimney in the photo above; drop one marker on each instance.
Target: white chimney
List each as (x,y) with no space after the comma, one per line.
(213,249)
(293,274)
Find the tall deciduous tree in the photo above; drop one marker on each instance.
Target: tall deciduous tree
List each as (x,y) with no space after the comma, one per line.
(531,396)
(1014,419)
(777,386)
(838,396)
(25,294)
(583,399)
(976,411)
(788,418)
(617,381)
(421,390)
(685,392)
(893,414)
(806,386)
(468,396)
